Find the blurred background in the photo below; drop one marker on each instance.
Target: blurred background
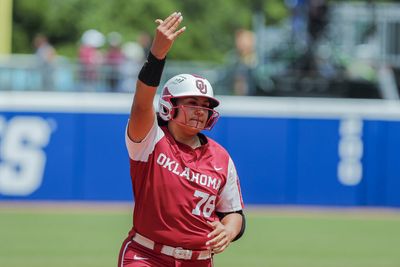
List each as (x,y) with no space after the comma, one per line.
(310,113)
(272,48)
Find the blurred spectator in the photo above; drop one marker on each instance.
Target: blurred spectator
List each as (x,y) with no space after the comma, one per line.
(364,64)
(90,58)
(308,63)
(45,54)
(144,40)
(243,62)
(317,18)
(135,56)
(298,9)
(114,60)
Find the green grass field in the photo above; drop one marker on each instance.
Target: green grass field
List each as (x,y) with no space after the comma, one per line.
(91,236)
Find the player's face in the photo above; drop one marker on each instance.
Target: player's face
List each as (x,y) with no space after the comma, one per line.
(193,111)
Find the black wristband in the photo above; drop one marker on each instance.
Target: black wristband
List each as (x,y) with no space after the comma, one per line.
(151,72)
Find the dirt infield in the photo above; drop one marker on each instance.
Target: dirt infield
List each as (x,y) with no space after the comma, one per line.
(268,210)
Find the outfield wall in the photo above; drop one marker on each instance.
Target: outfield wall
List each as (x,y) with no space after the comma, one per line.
(70,146)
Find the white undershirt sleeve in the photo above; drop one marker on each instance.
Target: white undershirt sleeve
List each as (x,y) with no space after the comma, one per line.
(230,198)
(140,151)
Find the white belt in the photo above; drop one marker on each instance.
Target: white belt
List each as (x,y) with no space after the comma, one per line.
(177,253)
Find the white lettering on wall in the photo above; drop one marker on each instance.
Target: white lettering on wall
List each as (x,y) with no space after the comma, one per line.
(350,169)
(22,159)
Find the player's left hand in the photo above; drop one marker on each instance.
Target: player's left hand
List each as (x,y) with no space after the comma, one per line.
(221,237)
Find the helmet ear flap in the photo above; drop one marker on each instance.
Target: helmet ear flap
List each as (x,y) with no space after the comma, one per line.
(212,119)
(165,109)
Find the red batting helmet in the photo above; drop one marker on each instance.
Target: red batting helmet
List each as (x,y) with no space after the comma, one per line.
(184,85)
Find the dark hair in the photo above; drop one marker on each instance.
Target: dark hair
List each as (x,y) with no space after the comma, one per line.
(160,121)
(174,102)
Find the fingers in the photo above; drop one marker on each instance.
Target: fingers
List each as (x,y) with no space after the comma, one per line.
(170,24)
(173,24)
(177,18)
(220,240)
(219,249)
(170,17)
(179,32)
(218,233)
(170,20)
(166,34)
(217,229)
(214,224)
(220,237)
(214,234)
(219,244)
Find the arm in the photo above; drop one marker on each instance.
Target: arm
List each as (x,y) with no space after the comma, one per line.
(142,111)
(225,231)
(221,215)
(229,210)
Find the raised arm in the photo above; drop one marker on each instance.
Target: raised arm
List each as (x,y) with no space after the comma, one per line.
(142,111)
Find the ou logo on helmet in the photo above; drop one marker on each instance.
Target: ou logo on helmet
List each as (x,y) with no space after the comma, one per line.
(201,86)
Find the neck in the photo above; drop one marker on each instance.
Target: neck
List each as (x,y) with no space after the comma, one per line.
(189,138)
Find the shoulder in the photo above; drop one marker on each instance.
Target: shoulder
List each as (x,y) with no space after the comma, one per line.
(216,147)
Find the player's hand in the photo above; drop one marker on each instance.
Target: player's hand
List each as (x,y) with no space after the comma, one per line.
(166,34)
(221,237)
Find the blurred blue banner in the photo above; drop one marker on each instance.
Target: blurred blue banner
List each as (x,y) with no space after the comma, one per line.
(289,152)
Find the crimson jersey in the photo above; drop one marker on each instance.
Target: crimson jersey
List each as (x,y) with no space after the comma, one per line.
(178,189)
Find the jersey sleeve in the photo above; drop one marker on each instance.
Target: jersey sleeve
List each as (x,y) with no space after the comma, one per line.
(230,198)
(140,151)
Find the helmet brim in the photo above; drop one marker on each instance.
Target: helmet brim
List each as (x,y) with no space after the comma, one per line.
(213,101)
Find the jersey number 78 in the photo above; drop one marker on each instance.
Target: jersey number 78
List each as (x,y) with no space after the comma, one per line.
(207,200)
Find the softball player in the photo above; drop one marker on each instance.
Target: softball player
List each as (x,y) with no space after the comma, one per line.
(188,204)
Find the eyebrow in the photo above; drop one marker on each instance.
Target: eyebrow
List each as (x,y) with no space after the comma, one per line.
(206,101)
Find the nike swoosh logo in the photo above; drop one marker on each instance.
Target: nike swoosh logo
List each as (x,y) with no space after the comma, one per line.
(137,258)
(217,169)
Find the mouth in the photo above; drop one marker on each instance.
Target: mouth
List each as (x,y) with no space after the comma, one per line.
(197,121)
